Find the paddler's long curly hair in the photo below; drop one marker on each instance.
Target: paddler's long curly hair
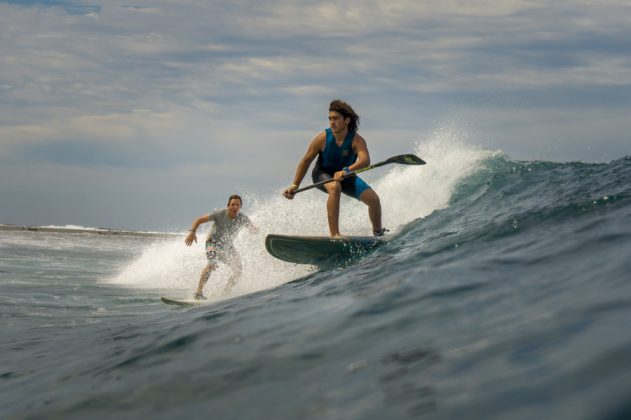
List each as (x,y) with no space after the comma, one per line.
(347,112)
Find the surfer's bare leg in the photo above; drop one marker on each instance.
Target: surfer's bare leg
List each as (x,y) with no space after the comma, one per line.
(203,279)
(371,199)
(237,268)
(333,207)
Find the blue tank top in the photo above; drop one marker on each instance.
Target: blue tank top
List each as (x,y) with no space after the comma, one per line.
(333,158)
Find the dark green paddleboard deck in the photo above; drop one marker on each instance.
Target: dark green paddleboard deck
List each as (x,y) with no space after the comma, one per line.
(182,302)
(320,250)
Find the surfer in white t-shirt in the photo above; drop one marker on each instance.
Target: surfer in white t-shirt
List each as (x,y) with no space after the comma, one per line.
(219,246)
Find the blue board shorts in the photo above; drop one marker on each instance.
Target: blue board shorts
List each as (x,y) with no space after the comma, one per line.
(353,186)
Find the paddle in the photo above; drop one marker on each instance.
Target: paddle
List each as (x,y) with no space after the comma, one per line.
(401,159)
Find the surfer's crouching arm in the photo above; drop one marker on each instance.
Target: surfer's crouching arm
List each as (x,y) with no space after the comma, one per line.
(192,237)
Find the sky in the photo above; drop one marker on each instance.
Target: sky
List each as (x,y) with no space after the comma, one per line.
(147,114)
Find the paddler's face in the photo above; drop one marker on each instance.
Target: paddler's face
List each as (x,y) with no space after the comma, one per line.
(234,207)
(337,122)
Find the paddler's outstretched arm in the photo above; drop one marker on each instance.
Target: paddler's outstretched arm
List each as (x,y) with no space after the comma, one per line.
(316,145)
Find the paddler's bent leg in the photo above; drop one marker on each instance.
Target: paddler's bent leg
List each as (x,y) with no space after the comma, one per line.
(334,189)
(371,199)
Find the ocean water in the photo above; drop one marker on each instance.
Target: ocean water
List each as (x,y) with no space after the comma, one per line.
(505,293)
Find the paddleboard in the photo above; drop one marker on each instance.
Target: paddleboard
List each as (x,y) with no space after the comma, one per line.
(182,302)
(321,250)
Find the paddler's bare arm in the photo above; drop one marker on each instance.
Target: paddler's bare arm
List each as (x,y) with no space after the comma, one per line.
(363,157)
(192,237)
(316,145)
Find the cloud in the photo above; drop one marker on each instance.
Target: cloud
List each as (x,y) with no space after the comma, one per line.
(174,56)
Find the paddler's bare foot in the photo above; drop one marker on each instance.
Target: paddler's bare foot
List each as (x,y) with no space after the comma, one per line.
(380,232)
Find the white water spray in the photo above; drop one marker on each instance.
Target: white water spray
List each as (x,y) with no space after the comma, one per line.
(407,193)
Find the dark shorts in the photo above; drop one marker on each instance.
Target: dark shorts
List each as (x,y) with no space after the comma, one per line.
(352,186)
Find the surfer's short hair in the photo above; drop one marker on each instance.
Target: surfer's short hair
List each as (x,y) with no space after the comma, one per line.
(347,111)
(234,197)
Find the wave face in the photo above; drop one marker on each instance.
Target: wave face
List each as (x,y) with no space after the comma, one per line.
(564,217)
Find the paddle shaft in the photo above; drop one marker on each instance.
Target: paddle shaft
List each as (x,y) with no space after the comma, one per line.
(403,159)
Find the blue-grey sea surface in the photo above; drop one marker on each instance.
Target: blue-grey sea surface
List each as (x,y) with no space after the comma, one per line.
(512,301)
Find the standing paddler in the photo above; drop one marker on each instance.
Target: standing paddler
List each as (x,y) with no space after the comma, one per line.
(340,150)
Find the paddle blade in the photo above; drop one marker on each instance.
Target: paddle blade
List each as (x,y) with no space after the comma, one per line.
(406,160)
